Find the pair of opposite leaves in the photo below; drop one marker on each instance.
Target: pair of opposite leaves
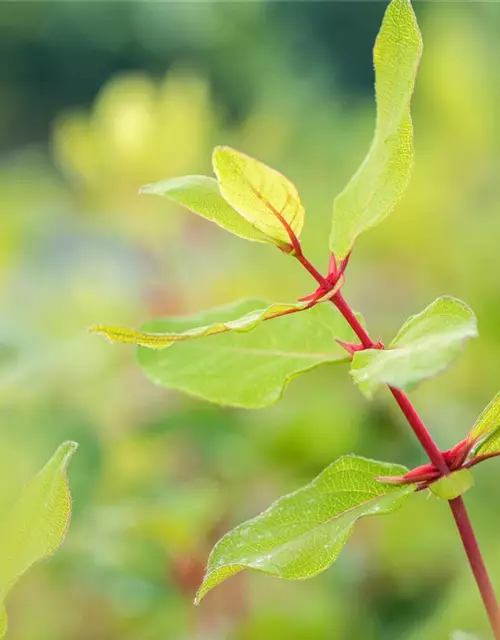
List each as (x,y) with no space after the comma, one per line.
(302,533)
(257,203)
(248,361)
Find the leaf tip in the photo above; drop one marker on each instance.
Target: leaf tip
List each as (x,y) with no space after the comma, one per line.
(221,148)
(224,153)
(99,330)
(201,593)
(217,154)
(95,328)
(65,452)
(145,188)
(111,334)
(360,378)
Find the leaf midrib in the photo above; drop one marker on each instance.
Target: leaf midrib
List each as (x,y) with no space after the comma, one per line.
(319,524)
(269,352)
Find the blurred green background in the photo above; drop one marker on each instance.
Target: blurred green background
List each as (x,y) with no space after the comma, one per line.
(99,98)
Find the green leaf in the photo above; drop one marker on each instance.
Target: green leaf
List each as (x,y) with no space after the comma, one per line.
(425,345)
(264,197)
(245,369)
(201,195)
(36,524)
(302,533)
(162,340)
(486,431)
(453,485)
(384,174)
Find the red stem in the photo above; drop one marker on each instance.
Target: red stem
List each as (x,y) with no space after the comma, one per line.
(312,269)
(420,430)
(354,323)
(457,505)
(476,562)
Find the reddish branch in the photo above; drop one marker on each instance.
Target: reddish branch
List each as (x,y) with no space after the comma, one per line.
(476,562)
(441,462)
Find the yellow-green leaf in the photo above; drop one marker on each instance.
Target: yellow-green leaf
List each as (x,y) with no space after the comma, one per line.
(453,485)
(302,533)
(245,368)
(36,524)
(263,196)
(486,431)
(384,174)
(151,340)
(201,195)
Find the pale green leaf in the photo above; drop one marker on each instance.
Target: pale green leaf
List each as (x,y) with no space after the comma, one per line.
(486,431)
(160,340)
(260,194)
(453,485)
(425,345)
(36,524)
(383,176)
(201,195)
(245,369)
(302,533)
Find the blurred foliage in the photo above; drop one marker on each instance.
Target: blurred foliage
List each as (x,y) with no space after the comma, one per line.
(137,92)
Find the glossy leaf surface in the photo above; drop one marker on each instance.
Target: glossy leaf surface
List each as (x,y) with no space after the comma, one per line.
(302,533)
